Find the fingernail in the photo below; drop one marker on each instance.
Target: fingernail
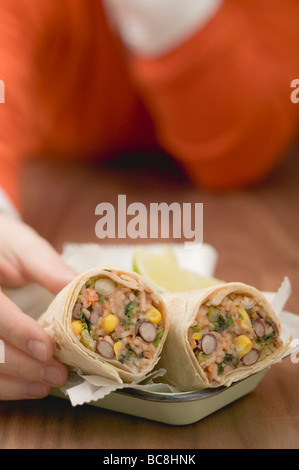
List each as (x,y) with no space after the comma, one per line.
(35,390)
(38,350)
(51,375)
(65,277)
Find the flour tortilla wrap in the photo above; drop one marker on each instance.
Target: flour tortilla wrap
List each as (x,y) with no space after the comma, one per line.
(68,348)
(184,370)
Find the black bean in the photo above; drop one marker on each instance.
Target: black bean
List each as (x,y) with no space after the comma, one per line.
(77,310)
(147,331)
(251,357)
(259,328)
(105,349)
(208,344)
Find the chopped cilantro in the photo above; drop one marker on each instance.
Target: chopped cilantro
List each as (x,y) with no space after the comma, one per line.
(157,341)
(86,323)
(91,282)
(221,323)
(127,357)
(129,313)
(228,357)
(201,356)
(213,313)
(195,328)
(230,360)
(266,340)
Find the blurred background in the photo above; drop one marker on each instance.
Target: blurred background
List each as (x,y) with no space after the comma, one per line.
(161,101)
(255,231)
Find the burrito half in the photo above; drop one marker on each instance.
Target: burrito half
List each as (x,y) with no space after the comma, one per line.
(219,335)
(108,322)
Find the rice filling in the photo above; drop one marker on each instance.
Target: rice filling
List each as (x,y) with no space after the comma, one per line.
(236,333)
(117,322)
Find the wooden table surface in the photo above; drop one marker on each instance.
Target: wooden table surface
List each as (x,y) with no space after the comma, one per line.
(256,234)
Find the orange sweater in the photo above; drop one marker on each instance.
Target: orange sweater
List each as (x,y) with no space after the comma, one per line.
(219,103)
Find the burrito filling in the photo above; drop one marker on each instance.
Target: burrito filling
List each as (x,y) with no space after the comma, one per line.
(236,333)
(117,322)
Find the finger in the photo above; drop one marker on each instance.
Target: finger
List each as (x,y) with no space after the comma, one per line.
(41,263)
(16,388)
(23,332)
(19,364)
(26,256)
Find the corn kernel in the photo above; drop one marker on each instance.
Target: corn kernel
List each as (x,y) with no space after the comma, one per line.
(196,336)
(245,321)
(242,344)
(77,326)
(117,348)
(154,315)
(110,322)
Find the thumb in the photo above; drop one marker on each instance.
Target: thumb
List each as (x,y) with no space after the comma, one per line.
(42,264)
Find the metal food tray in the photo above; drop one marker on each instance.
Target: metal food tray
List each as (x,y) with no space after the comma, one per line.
(174,408)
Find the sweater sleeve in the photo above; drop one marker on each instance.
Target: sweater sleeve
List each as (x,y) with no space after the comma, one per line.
(220,99)
(19,29)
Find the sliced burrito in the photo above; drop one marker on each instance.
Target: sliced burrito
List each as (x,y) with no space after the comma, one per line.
(219,335)
(108,322)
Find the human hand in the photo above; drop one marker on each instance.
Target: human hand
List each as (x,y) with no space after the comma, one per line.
(29,369)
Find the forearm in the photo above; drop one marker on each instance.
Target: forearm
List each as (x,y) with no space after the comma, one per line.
(20,120)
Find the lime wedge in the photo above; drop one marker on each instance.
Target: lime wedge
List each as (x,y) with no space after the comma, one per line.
(163,271)
(155,267)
